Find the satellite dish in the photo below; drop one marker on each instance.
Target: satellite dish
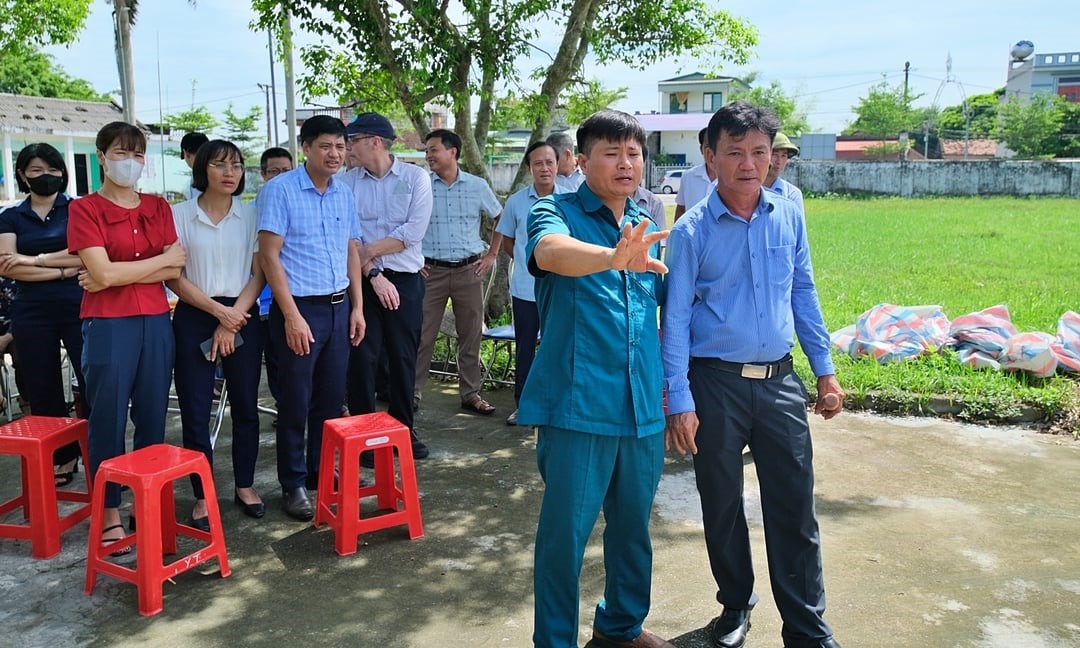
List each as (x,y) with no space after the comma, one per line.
(1022,50)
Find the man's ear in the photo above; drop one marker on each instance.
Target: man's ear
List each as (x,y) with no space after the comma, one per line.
(582,160)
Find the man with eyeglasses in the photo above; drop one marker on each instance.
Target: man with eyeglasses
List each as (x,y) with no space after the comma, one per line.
(273,162)
(393,200)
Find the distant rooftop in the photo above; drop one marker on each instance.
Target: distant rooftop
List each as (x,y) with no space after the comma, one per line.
(667,122)
(23,114)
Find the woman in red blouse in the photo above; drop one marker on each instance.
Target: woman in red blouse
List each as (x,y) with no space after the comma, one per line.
(128,246)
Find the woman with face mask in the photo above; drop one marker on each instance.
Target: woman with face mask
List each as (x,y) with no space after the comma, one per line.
(128,246)
(45,313)
(217,317)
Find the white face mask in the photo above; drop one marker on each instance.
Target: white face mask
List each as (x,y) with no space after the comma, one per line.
(123,172)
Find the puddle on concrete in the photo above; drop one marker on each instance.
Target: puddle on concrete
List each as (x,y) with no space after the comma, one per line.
(677,499)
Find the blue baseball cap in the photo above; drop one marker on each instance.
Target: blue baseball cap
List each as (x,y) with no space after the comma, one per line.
(371,123)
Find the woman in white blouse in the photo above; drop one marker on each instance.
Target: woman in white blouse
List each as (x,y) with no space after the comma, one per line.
(217,317)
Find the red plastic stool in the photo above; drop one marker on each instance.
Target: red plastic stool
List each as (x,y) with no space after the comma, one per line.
(34,439)
(339,504)
(150,472)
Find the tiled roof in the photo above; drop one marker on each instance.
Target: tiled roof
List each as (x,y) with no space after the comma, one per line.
(23,114)
(979,147)
(668,122)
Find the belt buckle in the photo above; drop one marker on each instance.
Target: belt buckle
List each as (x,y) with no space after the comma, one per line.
(337,298)
(757,372)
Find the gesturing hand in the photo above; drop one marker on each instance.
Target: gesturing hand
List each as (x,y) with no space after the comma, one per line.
(632,251)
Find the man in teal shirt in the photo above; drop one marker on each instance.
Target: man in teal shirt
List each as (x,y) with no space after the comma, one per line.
(595,388)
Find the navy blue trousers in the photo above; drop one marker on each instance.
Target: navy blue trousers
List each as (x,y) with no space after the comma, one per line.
(312,387)
(769,416)
(126,360)
(395,334)
(194,379)
(526,333)
(39,327)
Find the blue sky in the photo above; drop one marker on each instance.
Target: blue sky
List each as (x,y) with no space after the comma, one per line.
(827,53)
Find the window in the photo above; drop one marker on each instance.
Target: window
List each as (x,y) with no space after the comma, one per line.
(713,101)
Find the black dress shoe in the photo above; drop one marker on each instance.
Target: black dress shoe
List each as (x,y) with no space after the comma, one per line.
(419,450)
(202,523)
(828,643)
(251,510)
(730,628)
(297,504)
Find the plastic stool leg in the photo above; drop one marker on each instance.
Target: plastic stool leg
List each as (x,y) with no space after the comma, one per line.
(41,506)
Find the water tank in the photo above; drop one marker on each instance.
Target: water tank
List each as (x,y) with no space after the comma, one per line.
(1022,50)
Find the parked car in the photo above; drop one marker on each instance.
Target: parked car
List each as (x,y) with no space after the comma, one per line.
(670,182)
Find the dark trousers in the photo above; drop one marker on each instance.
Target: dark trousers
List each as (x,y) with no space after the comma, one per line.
(526,333)
(38,328)
(397,333)
(126,360)
(769,416)
(194,379)
(270,358)
(312,387)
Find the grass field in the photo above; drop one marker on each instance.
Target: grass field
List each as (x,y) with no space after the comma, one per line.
(963,254)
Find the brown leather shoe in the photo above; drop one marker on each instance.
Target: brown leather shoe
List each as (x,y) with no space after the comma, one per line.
(644,640)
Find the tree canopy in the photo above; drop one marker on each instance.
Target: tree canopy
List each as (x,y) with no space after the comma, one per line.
(196,120)
(29,72)
(793,119)
(36,23)
(374,52)
(885,112)
(1032,128)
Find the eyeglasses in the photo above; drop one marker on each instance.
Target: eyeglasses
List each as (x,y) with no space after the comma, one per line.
(235,167)
(272,172)
(356,139)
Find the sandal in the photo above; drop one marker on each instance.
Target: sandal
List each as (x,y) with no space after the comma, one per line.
(65,478)
(478,405)
(109,541)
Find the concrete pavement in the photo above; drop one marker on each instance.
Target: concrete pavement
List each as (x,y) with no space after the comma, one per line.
(934,534)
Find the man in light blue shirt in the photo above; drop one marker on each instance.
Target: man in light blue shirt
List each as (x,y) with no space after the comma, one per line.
(595,389)
(740,287)
(783,151)
(697,182)
(541,159)
(308,238)
(456,260)
(393,200)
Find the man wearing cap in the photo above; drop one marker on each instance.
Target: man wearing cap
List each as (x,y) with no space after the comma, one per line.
(697,182)
(455,262)
(393,200)
(782,151)
(308,247)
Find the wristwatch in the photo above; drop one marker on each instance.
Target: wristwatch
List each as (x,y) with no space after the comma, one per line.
(375,272)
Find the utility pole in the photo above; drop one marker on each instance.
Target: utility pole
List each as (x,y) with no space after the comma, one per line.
(907,68)
(266,91)
(273,87)
(290,91)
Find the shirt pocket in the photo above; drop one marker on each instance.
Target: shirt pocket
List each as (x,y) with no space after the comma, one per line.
(781,265)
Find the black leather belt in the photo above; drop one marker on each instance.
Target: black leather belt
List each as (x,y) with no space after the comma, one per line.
(332,298)
(782,367)
(439,263)
(397,273)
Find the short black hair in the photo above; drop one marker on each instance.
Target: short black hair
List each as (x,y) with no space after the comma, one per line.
(539,144)
(119,132)
(44,152)
(609,125)
(274,152)
(740,117)
(561,141)
(321,125)
(449,139)
(214,151)
(701,136)
(191,142)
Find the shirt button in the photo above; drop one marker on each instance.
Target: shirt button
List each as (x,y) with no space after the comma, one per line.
(136,254)
(134,231)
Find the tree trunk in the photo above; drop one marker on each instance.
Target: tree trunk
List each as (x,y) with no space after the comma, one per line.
(571,55)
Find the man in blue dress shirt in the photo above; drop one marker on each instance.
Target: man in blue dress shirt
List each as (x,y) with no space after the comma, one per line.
(595,388)
(741,286)
(308,238)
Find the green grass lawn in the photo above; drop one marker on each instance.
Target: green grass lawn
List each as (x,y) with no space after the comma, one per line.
(963,254)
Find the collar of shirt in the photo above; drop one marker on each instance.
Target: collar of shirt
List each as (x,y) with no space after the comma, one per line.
(200,215)
(25,208)
(395,169)
(305,181)
(592,204)
(717,209)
